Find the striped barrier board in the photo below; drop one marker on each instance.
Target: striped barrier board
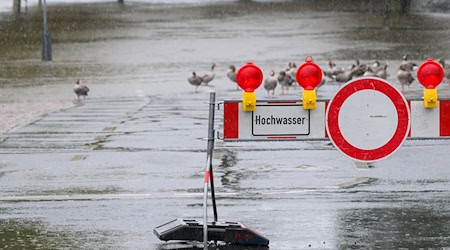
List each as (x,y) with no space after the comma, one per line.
(430,123)
(367,120)
(287,120)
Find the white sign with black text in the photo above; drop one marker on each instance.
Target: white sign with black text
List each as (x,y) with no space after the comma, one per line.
(280,120)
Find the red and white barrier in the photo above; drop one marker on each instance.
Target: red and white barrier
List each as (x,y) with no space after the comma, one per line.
(425,123)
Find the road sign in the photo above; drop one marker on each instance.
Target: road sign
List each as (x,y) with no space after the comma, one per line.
(368,119)
(274,120)
(279,120)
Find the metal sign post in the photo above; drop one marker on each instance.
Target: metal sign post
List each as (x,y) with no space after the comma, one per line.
(209,171)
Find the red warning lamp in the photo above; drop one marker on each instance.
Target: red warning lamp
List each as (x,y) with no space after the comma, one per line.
(430,74)
(249,77)
(309,75)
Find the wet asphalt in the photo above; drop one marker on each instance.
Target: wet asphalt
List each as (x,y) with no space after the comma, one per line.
(106,173)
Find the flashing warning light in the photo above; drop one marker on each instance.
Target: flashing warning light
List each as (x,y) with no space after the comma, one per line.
(430,74)
(309,75)
(249,77)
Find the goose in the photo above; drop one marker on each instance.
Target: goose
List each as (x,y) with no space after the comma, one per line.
(369,71)
(382,73)
(407,65)
(195,80)
(210,76)
(404,76)
(285,81)
(270,83)
(344,76)
(231,74)
(332,70)
(377,66)
(359,69)
(292,70)
(80,89)
(446,69)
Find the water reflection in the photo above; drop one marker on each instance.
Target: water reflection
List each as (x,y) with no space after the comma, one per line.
(230,177)
(393,228)
(35,234)
(190,246)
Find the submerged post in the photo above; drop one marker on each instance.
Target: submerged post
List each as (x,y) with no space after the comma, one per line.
(46,36)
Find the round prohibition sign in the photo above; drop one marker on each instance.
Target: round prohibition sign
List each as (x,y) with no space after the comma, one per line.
(368,119)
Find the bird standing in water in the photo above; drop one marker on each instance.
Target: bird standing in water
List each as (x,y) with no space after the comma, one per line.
(80,90)
(344,76)
(382,73)
(332,70)
(407,65)
(231,74)
(291,70)
(404,76)
(285,81)
(270,83)
(209,76)
(195,80)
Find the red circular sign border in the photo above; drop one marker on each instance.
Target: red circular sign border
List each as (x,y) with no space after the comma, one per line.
(335,134)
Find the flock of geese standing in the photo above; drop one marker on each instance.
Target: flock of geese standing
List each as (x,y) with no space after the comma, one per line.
(197,80)
(286,78)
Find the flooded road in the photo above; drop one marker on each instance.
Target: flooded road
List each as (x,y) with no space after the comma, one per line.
(106,173)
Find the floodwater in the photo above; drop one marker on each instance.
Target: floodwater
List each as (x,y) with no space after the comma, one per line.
(104,174)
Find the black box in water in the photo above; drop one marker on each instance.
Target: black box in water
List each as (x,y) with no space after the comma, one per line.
(192,230)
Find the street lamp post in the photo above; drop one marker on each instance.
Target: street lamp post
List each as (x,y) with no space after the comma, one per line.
(46,36)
